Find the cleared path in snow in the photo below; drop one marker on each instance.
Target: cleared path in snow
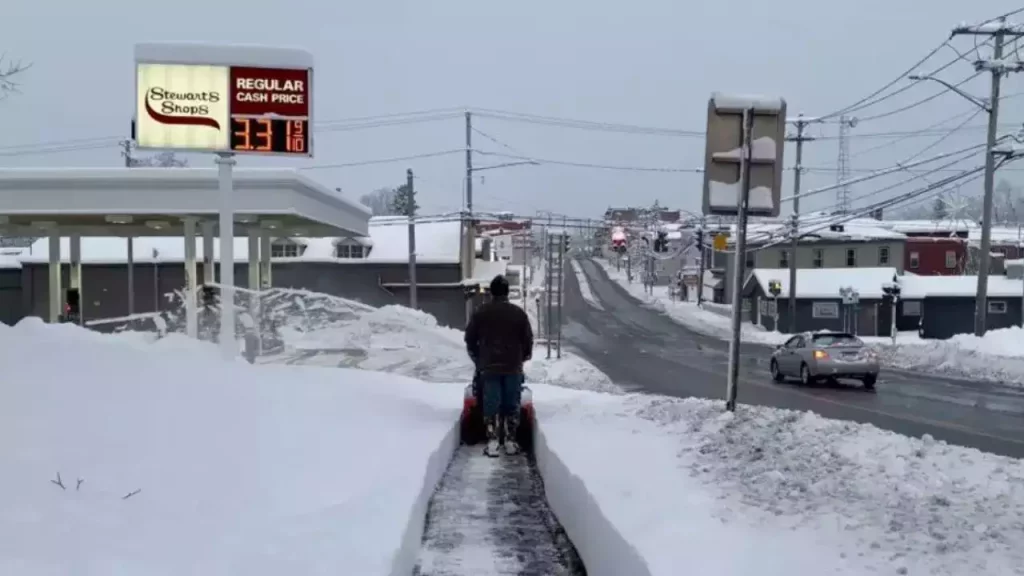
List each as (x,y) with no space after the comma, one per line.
(489,517)
(644,350)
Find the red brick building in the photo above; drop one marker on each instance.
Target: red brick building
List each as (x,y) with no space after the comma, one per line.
(927,256)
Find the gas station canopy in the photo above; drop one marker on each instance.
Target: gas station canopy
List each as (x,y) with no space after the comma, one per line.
(154,202)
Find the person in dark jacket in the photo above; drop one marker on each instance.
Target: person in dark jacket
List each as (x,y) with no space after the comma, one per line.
(499,340)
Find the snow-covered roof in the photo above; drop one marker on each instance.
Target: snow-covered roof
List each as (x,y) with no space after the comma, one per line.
(223,55)
(916,287)
(485,270)
(826,282)
(818,226)
(10,257)
(925,226)
(437,242)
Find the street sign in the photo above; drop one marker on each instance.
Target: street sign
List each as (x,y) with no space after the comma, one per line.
(720,242)
(223,99)
(724,157)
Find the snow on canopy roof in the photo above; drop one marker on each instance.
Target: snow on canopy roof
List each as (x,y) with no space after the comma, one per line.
(223,55)
(917,287)
(437,242)
(826,282)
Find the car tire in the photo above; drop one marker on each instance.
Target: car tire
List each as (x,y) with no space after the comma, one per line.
(805,375)
(776,374)
(869,381)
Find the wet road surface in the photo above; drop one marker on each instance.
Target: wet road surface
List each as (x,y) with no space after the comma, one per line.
(645,351)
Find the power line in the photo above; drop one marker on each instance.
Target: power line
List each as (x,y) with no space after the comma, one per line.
(861,103)
(592,165)
(385,160)
(583,124)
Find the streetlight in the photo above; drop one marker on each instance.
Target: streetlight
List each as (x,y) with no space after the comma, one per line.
(991,107)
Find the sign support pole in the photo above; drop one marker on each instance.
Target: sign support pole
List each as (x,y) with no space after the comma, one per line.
(225,163)
(738,268)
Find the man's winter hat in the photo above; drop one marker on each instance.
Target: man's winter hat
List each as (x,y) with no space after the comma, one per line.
(499,286)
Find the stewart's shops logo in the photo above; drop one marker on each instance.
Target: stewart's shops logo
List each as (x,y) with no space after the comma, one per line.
(181,108)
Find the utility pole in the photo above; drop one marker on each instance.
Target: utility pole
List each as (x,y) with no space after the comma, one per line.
(997,67)
(700,273)
(801,124)
(548,287)
(561,282)
(470,248)
(410,211)
(127,144)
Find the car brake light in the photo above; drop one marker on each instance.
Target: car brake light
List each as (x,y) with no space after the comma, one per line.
(820,355)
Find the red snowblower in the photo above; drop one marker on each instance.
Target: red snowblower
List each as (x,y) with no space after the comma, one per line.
(471,423)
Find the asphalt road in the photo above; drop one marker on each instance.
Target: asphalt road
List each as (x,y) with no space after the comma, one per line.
(645,351)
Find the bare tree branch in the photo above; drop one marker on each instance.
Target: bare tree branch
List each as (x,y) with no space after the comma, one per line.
(9,69)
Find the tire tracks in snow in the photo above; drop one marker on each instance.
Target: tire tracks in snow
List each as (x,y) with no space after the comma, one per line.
(489,517)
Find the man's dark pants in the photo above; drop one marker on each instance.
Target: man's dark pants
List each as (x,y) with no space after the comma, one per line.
(502,393)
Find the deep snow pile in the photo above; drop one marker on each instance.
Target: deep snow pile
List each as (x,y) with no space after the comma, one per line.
(404,341)
(171,461)
(667,483)
(998,355)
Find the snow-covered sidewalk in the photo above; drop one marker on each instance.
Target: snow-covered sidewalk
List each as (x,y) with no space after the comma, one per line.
(121,457)
(646,484)
(998,356)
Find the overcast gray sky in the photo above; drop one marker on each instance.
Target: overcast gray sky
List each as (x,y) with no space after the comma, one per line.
(649,62)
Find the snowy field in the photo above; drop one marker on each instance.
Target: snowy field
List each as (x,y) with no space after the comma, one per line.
(172,461)
(998,356)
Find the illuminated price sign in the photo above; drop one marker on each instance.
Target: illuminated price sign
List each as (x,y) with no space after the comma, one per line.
(270,111)
(270,135)
(238,109)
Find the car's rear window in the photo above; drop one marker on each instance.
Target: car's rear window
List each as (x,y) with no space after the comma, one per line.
(836,340)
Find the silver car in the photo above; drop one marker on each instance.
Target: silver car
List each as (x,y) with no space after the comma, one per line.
(817,355)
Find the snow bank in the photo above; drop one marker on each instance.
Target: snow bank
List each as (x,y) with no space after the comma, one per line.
(171,461)
(400,340)
(769,491)
(997,356)
(588,294)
